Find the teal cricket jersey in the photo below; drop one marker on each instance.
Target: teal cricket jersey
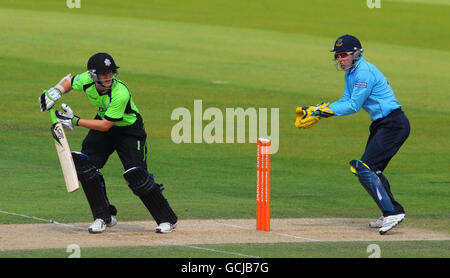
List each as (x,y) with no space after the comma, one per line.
(114,105)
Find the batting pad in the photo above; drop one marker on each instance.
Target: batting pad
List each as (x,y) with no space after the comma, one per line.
(370,181)
(91,181)
(142,184)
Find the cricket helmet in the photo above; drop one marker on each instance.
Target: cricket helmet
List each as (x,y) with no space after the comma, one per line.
(350,45)
(102,63)
(347,43)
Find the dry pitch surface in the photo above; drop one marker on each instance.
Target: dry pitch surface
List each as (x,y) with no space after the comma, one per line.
(190,232)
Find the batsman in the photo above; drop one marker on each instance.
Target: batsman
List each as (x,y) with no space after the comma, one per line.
(366,87)
(117,126)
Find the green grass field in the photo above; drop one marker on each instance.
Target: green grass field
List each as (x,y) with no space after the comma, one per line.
(269,54)
(400,249)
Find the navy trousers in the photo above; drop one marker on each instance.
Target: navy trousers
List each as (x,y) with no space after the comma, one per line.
(386,137)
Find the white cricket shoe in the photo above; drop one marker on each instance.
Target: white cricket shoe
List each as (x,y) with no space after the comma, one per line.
(379,222)
(389,222)
(165,228)
(113,222)
(98,226)
(400,217)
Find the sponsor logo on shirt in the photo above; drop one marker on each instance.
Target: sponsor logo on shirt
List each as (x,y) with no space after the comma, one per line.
(360,84)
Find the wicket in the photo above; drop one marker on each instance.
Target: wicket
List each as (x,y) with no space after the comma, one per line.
(263,185)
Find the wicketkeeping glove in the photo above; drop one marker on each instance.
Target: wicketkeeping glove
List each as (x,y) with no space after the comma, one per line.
(49,98)
(304,118)
(67,119)
(323,110)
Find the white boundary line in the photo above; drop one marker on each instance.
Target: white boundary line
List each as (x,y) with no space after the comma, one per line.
(26,216)
(43,220)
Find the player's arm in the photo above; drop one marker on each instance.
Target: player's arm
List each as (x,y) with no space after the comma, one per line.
(361,90)
(49,97)
(65,85)
(349,103)
(69,120)
(100,125)
(309,115)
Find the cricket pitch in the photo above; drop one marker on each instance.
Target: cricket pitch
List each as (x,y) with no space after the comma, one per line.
(213,231)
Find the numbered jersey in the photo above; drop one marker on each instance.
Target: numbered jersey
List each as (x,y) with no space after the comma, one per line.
(114,105)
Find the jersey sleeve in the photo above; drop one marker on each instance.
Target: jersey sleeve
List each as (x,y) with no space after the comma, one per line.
(352,102)
(120,97)
(81,80)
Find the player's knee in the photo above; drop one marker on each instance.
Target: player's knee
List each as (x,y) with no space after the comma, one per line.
(143,185)
(85,169)
(140,180)
(357,165)
(353,168)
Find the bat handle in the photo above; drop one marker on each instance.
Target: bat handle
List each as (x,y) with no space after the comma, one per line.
(53,116)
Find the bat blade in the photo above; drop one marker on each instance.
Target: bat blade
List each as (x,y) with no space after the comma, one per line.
(65,157)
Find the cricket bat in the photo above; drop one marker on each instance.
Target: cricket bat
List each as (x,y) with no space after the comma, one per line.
(64,154)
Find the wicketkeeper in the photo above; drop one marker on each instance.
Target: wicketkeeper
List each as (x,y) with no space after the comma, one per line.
(119,127)
(366,87)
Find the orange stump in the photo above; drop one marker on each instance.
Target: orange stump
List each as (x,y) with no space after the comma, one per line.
(263,185)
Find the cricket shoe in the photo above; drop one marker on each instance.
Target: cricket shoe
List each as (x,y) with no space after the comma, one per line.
(389,222)
(400,217)
(165,228)
(99,226)
(113,222)
(379,222)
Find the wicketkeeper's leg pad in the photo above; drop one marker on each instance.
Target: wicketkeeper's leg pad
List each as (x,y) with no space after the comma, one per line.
(142,184)
(91,180)
(371,182)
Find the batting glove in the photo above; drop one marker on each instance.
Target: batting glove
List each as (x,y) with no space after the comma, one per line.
(49,98)
(67,119)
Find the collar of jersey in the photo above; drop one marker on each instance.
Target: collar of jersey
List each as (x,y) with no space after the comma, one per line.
(354,67)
